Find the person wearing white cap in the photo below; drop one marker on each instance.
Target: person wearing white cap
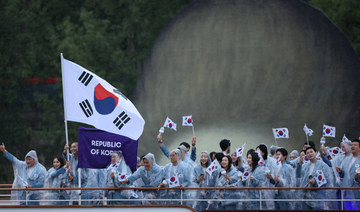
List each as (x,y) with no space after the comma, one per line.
(28,174)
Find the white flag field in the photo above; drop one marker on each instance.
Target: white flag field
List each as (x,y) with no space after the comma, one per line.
(281,132)
(91,100)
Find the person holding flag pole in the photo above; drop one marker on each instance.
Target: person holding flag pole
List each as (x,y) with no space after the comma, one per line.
(91,100)
(170,124)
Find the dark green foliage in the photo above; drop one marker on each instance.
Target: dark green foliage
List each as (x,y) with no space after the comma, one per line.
(109,38)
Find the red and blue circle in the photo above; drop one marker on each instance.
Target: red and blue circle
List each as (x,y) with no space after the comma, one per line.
(105,102)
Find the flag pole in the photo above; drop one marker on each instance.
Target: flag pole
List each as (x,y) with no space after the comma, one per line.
(192,126)
(307,138)
(276,141)
(66,128)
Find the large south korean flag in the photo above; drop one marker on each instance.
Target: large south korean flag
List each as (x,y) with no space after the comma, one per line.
(91,100)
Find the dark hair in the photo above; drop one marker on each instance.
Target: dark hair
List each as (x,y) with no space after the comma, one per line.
(61,160)
(250,150)
(356,140)
(254,158)
(224,144)
(219,156)
(311,143)
(186,144)
(263,149)
(310,147)
(211,155)
(283,152)
(229,164)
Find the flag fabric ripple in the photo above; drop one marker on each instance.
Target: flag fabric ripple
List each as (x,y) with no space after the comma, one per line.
(91,100)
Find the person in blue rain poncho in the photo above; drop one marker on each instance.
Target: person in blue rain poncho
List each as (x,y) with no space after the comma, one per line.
(295,182)
(28,174)
(349,171)
(203,179)
(166,152)
(175,175)
(116,171)
(308,172)
(282,178)
(227,177)
(73,172)
(270,166)
(57,178)
(151,174)
(95,179)
(254,177)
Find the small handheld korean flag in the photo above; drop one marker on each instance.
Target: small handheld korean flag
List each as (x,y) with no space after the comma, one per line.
(281,133)
(335,152)
(187,121)
(329,131)
(320,178)
(261,161)
(170,124)
(239,151)
(246,175)
(213,167)
(318,156)
(345,139)
(174,181)
(123,177)
(308,131)
(306,160)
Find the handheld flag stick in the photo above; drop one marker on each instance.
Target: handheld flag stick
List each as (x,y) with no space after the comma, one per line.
(276,142)
(66,128)
(192,126)
(307,138)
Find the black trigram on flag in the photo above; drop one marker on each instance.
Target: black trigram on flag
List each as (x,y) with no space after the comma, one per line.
(85,78)
(121,120)
(86,108)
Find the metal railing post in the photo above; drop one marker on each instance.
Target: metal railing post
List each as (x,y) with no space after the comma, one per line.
(181,196)
(26,197)
(342,199)
(260,201)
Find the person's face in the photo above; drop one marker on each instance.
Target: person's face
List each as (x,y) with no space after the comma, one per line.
(115,158)
(173,157)
(187,149)
(213,157)
(233,157)
(249,159)
(74,148)
(56,163)
(203,158)
(30,162)
(302,154)
(355,147)
(225,162)
(292,158)
(147,164)
(311,154)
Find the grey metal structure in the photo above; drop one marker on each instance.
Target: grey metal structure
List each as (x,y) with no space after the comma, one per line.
(243,67)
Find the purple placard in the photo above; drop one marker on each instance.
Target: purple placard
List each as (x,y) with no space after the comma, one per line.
(96,147)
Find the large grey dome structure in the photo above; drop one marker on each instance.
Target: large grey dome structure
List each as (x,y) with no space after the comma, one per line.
(243,67)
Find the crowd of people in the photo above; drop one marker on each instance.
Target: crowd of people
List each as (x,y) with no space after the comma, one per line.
(270,167)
